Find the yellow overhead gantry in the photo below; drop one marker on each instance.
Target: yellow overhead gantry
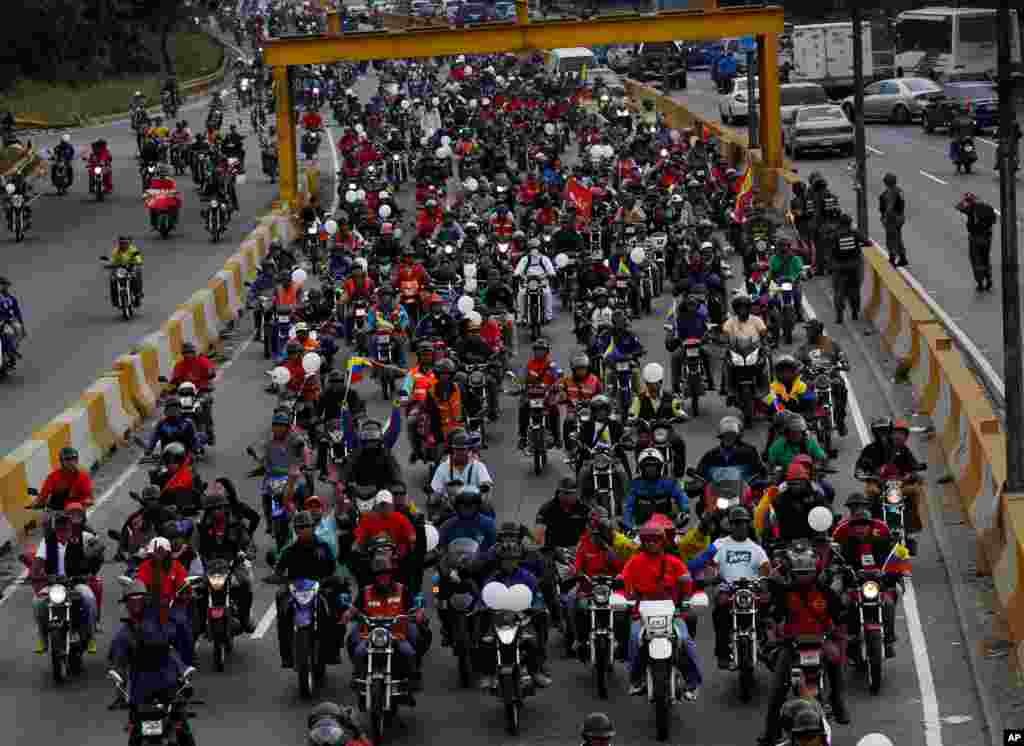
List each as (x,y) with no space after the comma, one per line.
(764,23)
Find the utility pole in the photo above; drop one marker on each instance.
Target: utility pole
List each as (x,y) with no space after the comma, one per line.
(752,101)
(860,151)
(1011,263)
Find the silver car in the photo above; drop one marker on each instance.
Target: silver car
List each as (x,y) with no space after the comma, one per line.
(899,100)
(823,127)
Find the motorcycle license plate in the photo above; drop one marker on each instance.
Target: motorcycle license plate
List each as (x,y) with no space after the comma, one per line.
(867,560)
(360,313)
(826,142)
(217,612)
(810,658)
(536,403)
(152,727)
(692,352)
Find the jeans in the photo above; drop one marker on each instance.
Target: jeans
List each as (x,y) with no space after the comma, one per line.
(181,617)
(689,663)
(41,605)
(894,242)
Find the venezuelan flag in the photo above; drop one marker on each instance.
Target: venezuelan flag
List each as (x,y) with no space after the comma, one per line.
(898,561)
(356,366)
(745,195)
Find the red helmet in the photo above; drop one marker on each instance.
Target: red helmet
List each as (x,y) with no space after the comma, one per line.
(387,229)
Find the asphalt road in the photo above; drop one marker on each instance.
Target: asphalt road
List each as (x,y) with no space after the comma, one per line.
(934,234)
(74,332)
(928,679)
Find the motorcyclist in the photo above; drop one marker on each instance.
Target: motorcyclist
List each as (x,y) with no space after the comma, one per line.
(437,323)
(650,575)
(371,460)
(866,544)
(127,255)
(804,606)
(233,146)
(804,720)
(794,440)
(651,404)
(890,449)
(541,371)
(66,484)
(787,266)
(284,454)
(736,556)
(603,428)
(473,350)
(10,313)
(731,450)
(620,344)
(596,554)
(689,321)
(223,537)
(59,555)
(64,152)
(461,464)
(653,491)
(560,523)
(145,650)
(308,558)
(510,572)
(788,393)
(822,348)
(17,184)
(304,385)
(174,428)
(579,386)
(535,264)
(742,326)
(338,396)
(165,578)
(444,402)
(240,512)
(330,724)
(388,317)
(100,157)
(415,387)
(385,597)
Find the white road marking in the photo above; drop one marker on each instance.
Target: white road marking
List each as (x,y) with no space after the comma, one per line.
(876,151)
(919,647)
(936,179)
(265,621)
(988,142)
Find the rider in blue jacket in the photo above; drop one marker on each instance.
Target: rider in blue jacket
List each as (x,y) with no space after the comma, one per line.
(652,492)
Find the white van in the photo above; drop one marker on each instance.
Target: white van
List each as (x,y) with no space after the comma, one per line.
(570,60)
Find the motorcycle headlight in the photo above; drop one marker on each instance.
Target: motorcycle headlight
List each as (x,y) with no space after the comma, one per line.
(894,497)
(736,358)
(97,170)
(722,503)
(752,358)
(660,435)
(122,273)
(869,590)
(744,600)
(822,383)
(214,204)
(602,594)
(311,231)
(476,379)
(58,594)
(760,245)
(217,581)
(506,634)
(380,637)
(533,285)
(602,461)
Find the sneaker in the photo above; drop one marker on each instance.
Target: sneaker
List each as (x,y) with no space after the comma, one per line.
(541,680)
(41,647)
(91,648)
(636,688)
(487,683)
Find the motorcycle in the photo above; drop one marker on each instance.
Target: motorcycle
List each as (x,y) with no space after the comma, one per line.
(966,155)
(65,622)
(216,219)
(807,674)
(538,432)
(477,400)
(462,604)
(309,613)
(508,632)
(163,722)
(280,519)
(893,503)
(534,306)
(746,364)
(380,691)
(359,308)
(216,613)
(695,384)
(97,177)
(621,383)
(127,303)
(396,170)
(385,346)
(61,176)
(163,211)
(277,326)
(744,597)
(658,245)
(657,434)
(601,606)
(824,422)
(867,641)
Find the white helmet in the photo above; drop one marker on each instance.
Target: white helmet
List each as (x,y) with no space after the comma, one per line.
(653,373)
(138,93)
(187,389)
(65,137)
(649,454)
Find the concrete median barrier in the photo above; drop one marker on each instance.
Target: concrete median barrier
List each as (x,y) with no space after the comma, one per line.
(115,404)
(968,433)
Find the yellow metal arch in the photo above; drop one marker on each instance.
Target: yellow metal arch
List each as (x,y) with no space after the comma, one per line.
(764,23)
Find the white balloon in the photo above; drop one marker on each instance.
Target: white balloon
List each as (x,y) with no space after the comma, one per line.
(280,375)
(465,305)
(493,595)
(445,140)
(351,196)
(472,184)
(653,373)
(638,255)
(875,739)
(469,70)
(549,129)
(561,260)
(519,597)
(311,363)
(470,271)
(360,129)
(820,519)
(299,276)
(331,226)
(432,536)
(446,152)
(699,600)
(439,153)
(470,285)
(384,212)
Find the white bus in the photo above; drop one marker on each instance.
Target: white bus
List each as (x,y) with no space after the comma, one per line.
(951,41)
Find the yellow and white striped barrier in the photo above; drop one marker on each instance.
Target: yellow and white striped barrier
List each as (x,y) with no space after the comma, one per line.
(117,402)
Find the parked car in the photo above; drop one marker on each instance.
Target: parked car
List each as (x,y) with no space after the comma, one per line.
(793,96)
(819,127)
(899,100)
(733,105)
(976,99)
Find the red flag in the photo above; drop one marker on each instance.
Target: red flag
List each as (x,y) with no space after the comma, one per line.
(581,197)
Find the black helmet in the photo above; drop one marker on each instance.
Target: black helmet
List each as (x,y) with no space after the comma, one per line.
(509,531)
(806,720)
(445,366)
(458,439)
(322,711)
(597,725)
(469,498)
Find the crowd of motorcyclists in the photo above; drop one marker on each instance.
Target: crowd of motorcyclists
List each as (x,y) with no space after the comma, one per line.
(634,529)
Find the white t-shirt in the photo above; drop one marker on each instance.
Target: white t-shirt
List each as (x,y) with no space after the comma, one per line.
(738,559)
(473,474)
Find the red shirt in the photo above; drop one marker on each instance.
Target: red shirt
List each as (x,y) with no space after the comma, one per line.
(364,290)
(78,486)
(541,371)
(182,479)
(594,560)
(198,370)
(656,577)
(490,332)
(394,524)
(171,581)
(312,121)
